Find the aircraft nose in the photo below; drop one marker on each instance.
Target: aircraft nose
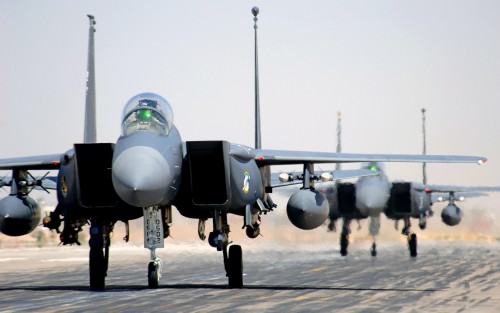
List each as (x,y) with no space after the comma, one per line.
(141,176)
(372,196)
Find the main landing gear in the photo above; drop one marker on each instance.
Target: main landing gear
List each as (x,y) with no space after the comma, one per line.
(99,252)
(344,236)
(373,249)
(412,237)
(233,257)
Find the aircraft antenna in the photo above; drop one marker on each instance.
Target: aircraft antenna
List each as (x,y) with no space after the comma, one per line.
(339,138)
(424,152)
(90,132)
(258,145)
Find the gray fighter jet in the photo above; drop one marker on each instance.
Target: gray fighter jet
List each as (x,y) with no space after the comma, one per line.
(150,169)
(370,196)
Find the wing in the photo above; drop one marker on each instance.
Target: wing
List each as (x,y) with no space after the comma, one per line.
(40,162)
(453,188)
(282,157)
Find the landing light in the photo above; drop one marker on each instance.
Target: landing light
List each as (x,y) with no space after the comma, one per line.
(326,177)
(285,177)
(482,161)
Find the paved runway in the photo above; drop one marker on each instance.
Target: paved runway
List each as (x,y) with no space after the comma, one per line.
(445,277)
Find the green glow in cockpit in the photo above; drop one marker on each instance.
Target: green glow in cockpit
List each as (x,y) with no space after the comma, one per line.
(373,168)
(144,115)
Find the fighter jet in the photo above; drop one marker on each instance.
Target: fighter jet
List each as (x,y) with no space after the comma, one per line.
(370,196)
(149,169)
(414,200)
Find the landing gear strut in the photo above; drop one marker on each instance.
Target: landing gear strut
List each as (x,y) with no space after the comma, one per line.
(374,228)
(156,229)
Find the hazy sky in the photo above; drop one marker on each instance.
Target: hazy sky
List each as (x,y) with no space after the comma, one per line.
(378,62)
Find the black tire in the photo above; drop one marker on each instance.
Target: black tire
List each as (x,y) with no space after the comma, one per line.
(235,273)
(344,242)
(153,279)
(97,271)
(373,250)
(412,245)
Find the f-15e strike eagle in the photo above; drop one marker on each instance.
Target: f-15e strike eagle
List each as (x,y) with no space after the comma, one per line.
(370,196)
(150,169)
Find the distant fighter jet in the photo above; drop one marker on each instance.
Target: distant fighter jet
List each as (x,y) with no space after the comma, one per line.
(150,169)
(370,196)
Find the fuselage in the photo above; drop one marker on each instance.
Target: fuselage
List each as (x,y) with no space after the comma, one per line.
(147,158)
(151,165)
(372,192)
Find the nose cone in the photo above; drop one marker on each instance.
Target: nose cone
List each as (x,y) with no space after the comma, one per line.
(141,176)
(371,196)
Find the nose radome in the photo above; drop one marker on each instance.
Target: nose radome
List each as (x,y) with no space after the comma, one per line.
(141,176)
(372,196)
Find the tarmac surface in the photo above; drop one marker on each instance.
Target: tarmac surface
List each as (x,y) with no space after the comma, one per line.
(445,277)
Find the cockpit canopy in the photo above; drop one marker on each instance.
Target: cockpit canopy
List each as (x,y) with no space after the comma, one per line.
(147,111)
(374,166)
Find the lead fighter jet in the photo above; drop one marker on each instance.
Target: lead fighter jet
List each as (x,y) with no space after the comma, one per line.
(150,169)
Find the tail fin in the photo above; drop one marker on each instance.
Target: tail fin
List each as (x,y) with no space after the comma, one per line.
(339,138)
(258,144)
(424,152)
(90,132)
(265,171)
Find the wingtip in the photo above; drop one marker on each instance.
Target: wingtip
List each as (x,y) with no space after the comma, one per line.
(482,161)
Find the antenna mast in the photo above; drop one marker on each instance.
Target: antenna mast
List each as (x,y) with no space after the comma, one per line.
(258,145)
(424,152)
(339,137)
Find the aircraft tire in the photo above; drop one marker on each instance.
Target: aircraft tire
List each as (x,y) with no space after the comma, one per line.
(344,242)
(153,278)
(235,273)
(97,270)
(373,250)
(412,245)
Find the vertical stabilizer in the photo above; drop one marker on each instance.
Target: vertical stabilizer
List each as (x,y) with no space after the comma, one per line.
(424,152)
(258,144)
(265,171)
(90,132)
(339,138)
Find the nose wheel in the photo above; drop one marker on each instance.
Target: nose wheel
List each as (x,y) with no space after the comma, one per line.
(154,273)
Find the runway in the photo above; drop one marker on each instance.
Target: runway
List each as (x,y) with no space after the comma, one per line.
(445,277)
